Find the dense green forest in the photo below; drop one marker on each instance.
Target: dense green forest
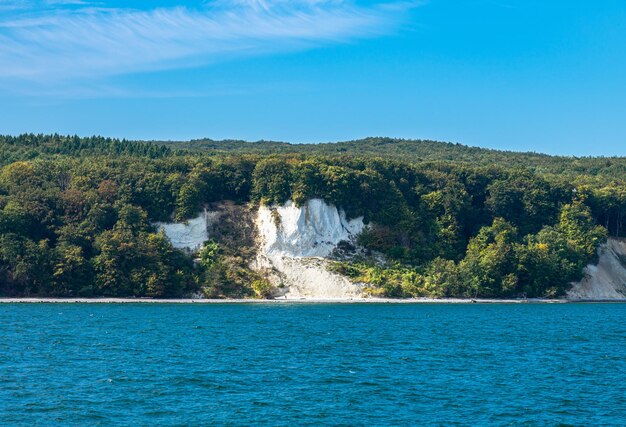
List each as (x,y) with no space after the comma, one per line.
(76,214)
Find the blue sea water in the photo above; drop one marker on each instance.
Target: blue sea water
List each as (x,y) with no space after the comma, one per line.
(313,364)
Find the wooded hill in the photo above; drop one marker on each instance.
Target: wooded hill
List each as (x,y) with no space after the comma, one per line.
(452,220)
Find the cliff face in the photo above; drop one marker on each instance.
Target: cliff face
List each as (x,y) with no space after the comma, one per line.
(189,235)
(607,279)
(290,245)
(294,243)
(312,230)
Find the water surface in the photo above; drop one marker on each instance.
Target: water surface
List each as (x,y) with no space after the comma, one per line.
(318,364)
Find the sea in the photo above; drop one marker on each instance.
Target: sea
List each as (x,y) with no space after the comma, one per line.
(313,364)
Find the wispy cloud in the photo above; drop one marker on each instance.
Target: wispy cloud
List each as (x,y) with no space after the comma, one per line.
(55,41)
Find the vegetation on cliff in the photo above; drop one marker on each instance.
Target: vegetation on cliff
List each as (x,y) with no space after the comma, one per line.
(76,214)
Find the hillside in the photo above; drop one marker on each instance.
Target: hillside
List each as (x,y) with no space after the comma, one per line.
(30,146)
(415,151)
(94,217)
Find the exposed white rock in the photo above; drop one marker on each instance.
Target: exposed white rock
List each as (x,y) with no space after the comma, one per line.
(189,235)
(607,279)
(312,230)
(294,242)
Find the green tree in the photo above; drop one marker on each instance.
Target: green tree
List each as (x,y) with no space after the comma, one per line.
(271,181)
(490,265)
(71,273)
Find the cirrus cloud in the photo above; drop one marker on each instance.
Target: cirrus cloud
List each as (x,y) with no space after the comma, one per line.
(51,41)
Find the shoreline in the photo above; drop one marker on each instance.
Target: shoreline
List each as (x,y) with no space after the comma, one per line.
(299,301)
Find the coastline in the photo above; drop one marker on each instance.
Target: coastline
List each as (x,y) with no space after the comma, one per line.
(298,301)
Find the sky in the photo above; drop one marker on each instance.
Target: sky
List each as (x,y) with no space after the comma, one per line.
(522,75)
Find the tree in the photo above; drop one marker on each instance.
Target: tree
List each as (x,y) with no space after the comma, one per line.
(71,273)
(490,265)
(524,200)
(582,234)
(271,181)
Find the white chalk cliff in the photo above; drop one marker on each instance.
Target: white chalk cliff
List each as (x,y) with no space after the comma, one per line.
(607,279)
(189,235)
(294,242)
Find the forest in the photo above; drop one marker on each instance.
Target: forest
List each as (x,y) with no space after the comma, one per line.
(76,214)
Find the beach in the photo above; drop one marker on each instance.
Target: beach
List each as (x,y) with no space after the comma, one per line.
(291,301)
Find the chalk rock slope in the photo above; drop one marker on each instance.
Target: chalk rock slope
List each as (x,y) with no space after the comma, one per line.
(294,243)
(607,279)
(189,235)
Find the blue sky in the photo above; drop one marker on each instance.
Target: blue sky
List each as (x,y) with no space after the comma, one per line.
(545,76)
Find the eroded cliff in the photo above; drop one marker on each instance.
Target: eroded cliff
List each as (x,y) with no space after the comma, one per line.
(607,279)
(294,243)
